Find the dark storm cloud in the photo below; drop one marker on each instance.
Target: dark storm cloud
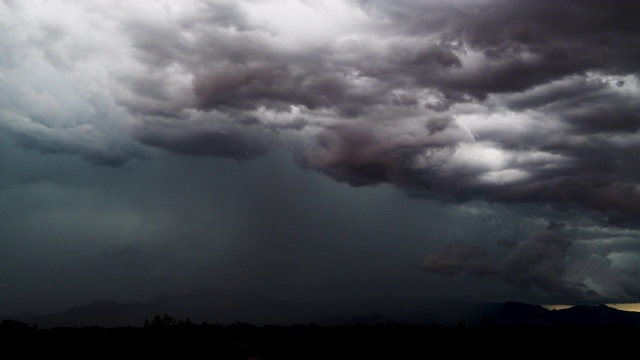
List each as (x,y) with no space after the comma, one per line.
(418,94)
(587,106)
(233,70)
(513,102)
(388,109)
(540,263)
(236,141)
(97,155)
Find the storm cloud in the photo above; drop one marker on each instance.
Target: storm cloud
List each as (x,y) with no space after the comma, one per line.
(508,102)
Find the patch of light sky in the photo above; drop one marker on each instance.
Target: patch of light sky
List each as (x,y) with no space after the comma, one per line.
(635,307)
(314,22)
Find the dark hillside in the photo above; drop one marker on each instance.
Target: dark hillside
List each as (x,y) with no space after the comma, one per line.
(183,340)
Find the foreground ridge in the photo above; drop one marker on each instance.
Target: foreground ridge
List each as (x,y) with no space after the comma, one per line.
(185,340)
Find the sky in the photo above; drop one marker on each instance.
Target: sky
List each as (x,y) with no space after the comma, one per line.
(316,150)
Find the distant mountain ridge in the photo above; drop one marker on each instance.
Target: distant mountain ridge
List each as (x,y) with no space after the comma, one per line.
(223,307)
(516,313)
(203,305)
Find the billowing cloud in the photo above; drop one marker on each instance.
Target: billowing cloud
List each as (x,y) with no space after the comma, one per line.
(502,101)
(499,100)
(542,264)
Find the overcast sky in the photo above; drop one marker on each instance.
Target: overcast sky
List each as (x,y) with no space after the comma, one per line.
(482,150)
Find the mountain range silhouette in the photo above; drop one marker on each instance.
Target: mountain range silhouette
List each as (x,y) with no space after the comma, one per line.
(223,307)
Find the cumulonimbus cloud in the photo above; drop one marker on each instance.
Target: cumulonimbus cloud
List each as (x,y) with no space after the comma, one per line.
(541,264)
(511,101)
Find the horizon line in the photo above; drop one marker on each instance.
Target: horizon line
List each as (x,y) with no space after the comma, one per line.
(634,307)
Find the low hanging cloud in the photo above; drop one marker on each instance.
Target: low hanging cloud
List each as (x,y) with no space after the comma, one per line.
(541,264)
(510,101)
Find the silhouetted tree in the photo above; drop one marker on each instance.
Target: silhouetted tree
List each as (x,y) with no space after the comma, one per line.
(161,321)
(166,321)
(185,322)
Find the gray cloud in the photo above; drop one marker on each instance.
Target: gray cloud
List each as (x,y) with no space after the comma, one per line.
(561,263)
(418,94)
(512,102)
(540,264)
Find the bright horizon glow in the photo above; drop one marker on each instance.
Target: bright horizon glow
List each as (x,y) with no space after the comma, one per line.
(624,306)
